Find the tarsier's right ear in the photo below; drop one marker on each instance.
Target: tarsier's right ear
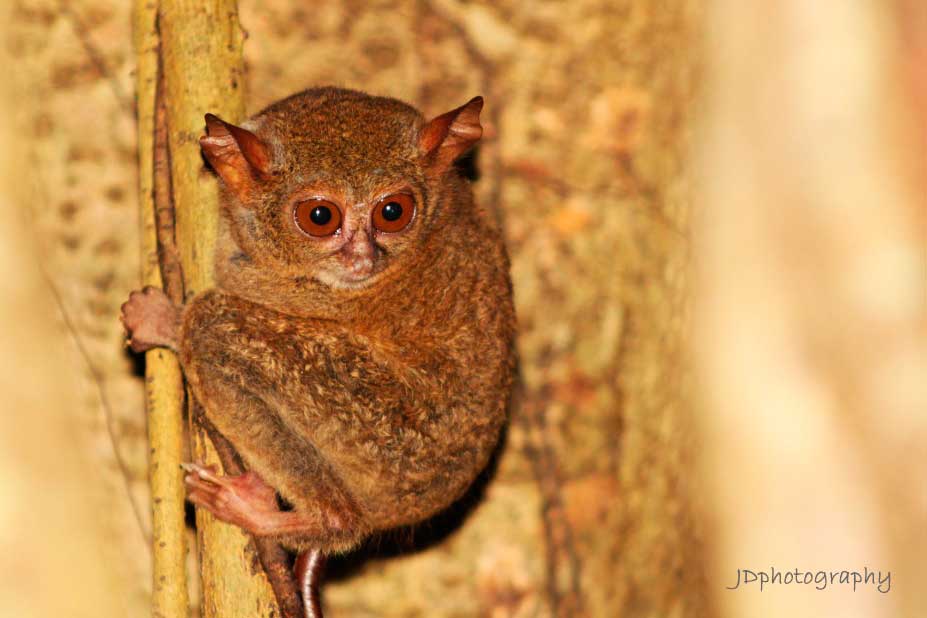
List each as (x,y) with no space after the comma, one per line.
(238,155)
(447,137)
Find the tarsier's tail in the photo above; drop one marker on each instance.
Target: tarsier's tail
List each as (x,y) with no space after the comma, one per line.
(310,566)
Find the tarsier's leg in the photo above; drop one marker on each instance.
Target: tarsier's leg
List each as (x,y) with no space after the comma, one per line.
(324,516)
(247,501)
(332,394)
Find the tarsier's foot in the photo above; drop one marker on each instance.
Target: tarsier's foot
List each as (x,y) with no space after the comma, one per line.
(244,500)
(251,504)
(150,319)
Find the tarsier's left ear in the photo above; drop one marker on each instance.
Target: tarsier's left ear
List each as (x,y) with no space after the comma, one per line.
(450,135)
(237,155)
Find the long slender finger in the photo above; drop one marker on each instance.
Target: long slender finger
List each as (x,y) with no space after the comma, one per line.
(215,502)
(202,500)
(195,483)
(205,473)
(200,474)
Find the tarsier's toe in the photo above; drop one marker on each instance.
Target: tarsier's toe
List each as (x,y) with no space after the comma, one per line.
(201,479)
(205,473)
(139,346)
(205,489)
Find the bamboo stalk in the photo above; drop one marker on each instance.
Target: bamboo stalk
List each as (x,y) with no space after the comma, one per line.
(201,58)
(163,378)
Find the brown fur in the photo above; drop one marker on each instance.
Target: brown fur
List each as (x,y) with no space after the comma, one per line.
(366,405)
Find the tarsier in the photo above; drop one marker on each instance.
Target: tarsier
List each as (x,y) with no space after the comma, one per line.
(357,350)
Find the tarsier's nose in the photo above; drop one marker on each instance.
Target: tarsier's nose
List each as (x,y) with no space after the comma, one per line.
(359,252)
(362,266)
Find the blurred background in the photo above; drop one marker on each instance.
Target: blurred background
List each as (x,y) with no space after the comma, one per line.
(717,217)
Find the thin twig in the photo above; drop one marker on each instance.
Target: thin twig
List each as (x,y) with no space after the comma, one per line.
(168,257)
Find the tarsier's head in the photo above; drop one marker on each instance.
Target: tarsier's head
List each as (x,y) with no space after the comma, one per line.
(337,185)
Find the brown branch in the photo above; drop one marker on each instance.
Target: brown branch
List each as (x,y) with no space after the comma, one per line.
(168,257)
(273,557)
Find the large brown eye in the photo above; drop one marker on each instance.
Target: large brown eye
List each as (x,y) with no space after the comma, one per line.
(317,217)
(393,213)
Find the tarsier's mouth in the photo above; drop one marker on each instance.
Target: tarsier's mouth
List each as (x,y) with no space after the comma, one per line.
(347,279)
(357,277)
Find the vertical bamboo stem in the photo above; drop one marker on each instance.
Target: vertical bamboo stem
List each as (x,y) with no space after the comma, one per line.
(163,379)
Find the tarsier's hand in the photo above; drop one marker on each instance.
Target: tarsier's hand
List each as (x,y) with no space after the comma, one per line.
(151,320)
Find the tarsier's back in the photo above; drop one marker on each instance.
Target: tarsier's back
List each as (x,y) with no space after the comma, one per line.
(358,350)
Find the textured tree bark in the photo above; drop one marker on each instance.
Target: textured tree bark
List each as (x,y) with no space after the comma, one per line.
(69,65)
(590,509)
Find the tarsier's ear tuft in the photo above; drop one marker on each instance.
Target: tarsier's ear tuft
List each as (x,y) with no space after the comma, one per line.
(444,139)
(237,155)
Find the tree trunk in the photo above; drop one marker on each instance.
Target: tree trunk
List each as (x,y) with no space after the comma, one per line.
(590,511)
(200,45)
